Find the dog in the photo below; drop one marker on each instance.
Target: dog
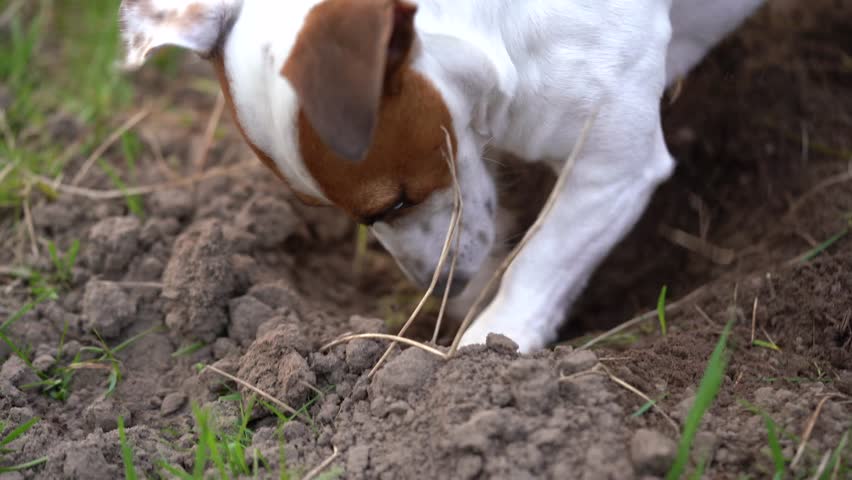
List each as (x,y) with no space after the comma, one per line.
(357,104)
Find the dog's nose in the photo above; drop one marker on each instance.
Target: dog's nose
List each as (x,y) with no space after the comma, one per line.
(457,286)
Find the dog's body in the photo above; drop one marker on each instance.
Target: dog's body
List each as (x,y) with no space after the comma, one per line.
(348,102)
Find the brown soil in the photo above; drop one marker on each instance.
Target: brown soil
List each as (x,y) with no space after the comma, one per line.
(236,263)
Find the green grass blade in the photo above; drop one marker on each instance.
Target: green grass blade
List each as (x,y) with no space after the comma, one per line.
(765,344)
(661,309)
(709,387)
(20,430)
(811,254)
(24,466)
(775,448)
(835,457)
(126,452)
(188,349)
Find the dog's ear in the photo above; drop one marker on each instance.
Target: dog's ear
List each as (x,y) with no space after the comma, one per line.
(348,55)
(196,25)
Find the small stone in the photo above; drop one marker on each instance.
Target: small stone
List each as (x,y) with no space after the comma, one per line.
(652,452)
(172,403)
(498,342)
(577,361)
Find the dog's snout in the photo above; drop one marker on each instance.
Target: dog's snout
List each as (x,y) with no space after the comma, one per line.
(457,286)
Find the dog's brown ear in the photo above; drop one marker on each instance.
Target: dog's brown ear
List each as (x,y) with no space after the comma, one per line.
(345,58)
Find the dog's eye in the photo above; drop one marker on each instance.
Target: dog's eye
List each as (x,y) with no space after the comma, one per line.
(389,213)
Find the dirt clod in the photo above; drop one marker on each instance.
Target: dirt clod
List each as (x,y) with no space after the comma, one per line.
(273,363)
(113,242)
(405,374)
(652,452)
(172,403)
(197,282)
(499,342)
(107,308)
(246,314)
(577,361)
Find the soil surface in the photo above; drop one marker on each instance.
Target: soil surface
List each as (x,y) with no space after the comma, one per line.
(231,271)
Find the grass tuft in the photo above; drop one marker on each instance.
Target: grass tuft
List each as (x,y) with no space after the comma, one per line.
(661,310)
(10,437)
(709,387)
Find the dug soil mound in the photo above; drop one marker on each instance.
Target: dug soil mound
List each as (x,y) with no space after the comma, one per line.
(223,275)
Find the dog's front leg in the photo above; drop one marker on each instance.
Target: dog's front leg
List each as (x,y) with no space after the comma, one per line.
(615,174)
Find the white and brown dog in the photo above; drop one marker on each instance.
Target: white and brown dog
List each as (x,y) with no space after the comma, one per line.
(347,102)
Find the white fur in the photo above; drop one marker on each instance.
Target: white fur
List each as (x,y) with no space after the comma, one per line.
(522,77)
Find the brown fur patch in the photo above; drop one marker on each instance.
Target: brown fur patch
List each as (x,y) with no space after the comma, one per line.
(406,156)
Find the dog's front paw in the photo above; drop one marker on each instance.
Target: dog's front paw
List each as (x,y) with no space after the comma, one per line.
(512,326)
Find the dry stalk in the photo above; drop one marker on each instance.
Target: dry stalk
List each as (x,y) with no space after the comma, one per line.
(819,187)
(639,393)
(753,320)
(451,231)
(143,190)
(822,464)
(716,254)
(706,317)
(322,466)
(536,226)
(593,370)
(458,207)
(643,318)
(207,140)
(808,430)
(256,390)
(113,137)
(28,219)
(384,336)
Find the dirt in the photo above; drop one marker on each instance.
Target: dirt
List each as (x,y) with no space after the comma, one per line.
(233,272)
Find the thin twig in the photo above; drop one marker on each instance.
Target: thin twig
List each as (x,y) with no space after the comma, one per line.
(536,226)
(114,136)
(809,427)
(451,230)
(322,466)
(384,336)
(207,140)
(251,387)
(147,189)
(638,392)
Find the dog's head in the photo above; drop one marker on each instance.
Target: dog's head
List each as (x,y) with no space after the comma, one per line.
(331,96)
